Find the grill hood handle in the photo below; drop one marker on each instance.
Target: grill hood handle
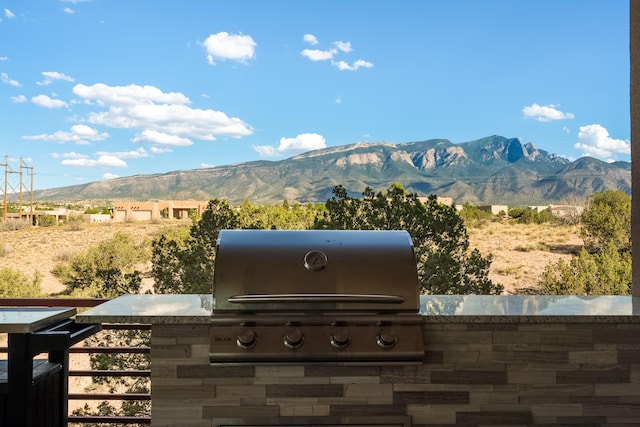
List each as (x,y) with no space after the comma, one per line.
(307,298)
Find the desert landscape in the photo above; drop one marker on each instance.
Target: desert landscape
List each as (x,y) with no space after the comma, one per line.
(520,251)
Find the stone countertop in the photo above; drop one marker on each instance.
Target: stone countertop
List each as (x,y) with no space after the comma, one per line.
(194,309)
(529,308)
(150,309)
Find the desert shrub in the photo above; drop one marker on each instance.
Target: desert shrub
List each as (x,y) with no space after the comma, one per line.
(75,222)
(15,284)
(607,272)
(531,216)
(14,224)
(105,270)
(47,220)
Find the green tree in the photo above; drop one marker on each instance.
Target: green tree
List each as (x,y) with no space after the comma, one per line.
(603,266)
(441,243)
(607,218)
(184,263)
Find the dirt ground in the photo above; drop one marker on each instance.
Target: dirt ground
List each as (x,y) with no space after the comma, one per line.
(520,251)
(41,248)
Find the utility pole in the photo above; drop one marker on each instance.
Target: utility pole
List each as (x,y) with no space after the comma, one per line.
(30,168)
(8,186)
(6,176)
(20,190)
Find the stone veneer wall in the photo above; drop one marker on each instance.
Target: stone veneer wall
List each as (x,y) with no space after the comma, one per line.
(502,373)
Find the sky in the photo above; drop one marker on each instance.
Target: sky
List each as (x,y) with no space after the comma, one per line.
(98,89)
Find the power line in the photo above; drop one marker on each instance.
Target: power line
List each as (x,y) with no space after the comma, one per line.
(21,187)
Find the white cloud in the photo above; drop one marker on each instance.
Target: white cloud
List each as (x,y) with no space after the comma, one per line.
(319,55)
(50,76)
(162,138)
(302,142)
(223,46)
(47,102)
(68,11)
(19,99)
(340,47)
(104,161)
(160,119)
(207,165)
(9,14)
(80,134)
(4,77)
(127,95)
(136,107)
(4,58)
(265,150)
(107,176)
(546,113)
(343,46)
(158,150)
(69,155)
(594,140)
(344,66)
(311,39)
(134,154)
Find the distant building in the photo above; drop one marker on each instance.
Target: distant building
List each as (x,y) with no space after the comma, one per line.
(495,209)
(563,211)
(163,209)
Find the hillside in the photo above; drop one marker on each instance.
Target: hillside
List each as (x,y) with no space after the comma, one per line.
(492,170)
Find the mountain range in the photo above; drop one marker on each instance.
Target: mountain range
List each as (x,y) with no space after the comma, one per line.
(491,170)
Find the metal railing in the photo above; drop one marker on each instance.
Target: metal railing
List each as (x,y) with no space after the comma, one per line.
(75,395)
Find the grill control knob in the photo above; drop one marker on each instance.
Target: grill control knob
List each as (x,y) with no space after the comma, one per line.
(247,339)
(340,338)
(386,338)
(294,338)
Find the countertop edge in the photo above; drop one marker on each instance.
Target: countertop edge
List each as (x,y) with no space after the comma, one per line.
(427,319)
(196,309)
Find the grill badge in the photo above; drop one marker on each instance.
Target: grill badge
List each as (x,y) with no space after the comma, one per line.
(315,261)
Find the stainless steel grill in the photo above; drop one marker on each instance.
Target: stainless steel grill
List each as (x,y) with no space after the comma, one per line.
(315,296)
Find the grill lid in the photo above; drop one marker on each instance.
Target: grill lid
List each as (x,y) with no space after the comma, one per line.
(310,270)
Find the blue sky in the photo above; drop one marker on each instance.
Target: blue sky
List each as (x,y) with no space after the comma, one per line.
(97,89)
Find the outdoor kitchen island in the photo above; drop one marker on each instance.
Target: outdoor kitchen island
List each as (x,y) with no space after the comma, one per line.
(488,360)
